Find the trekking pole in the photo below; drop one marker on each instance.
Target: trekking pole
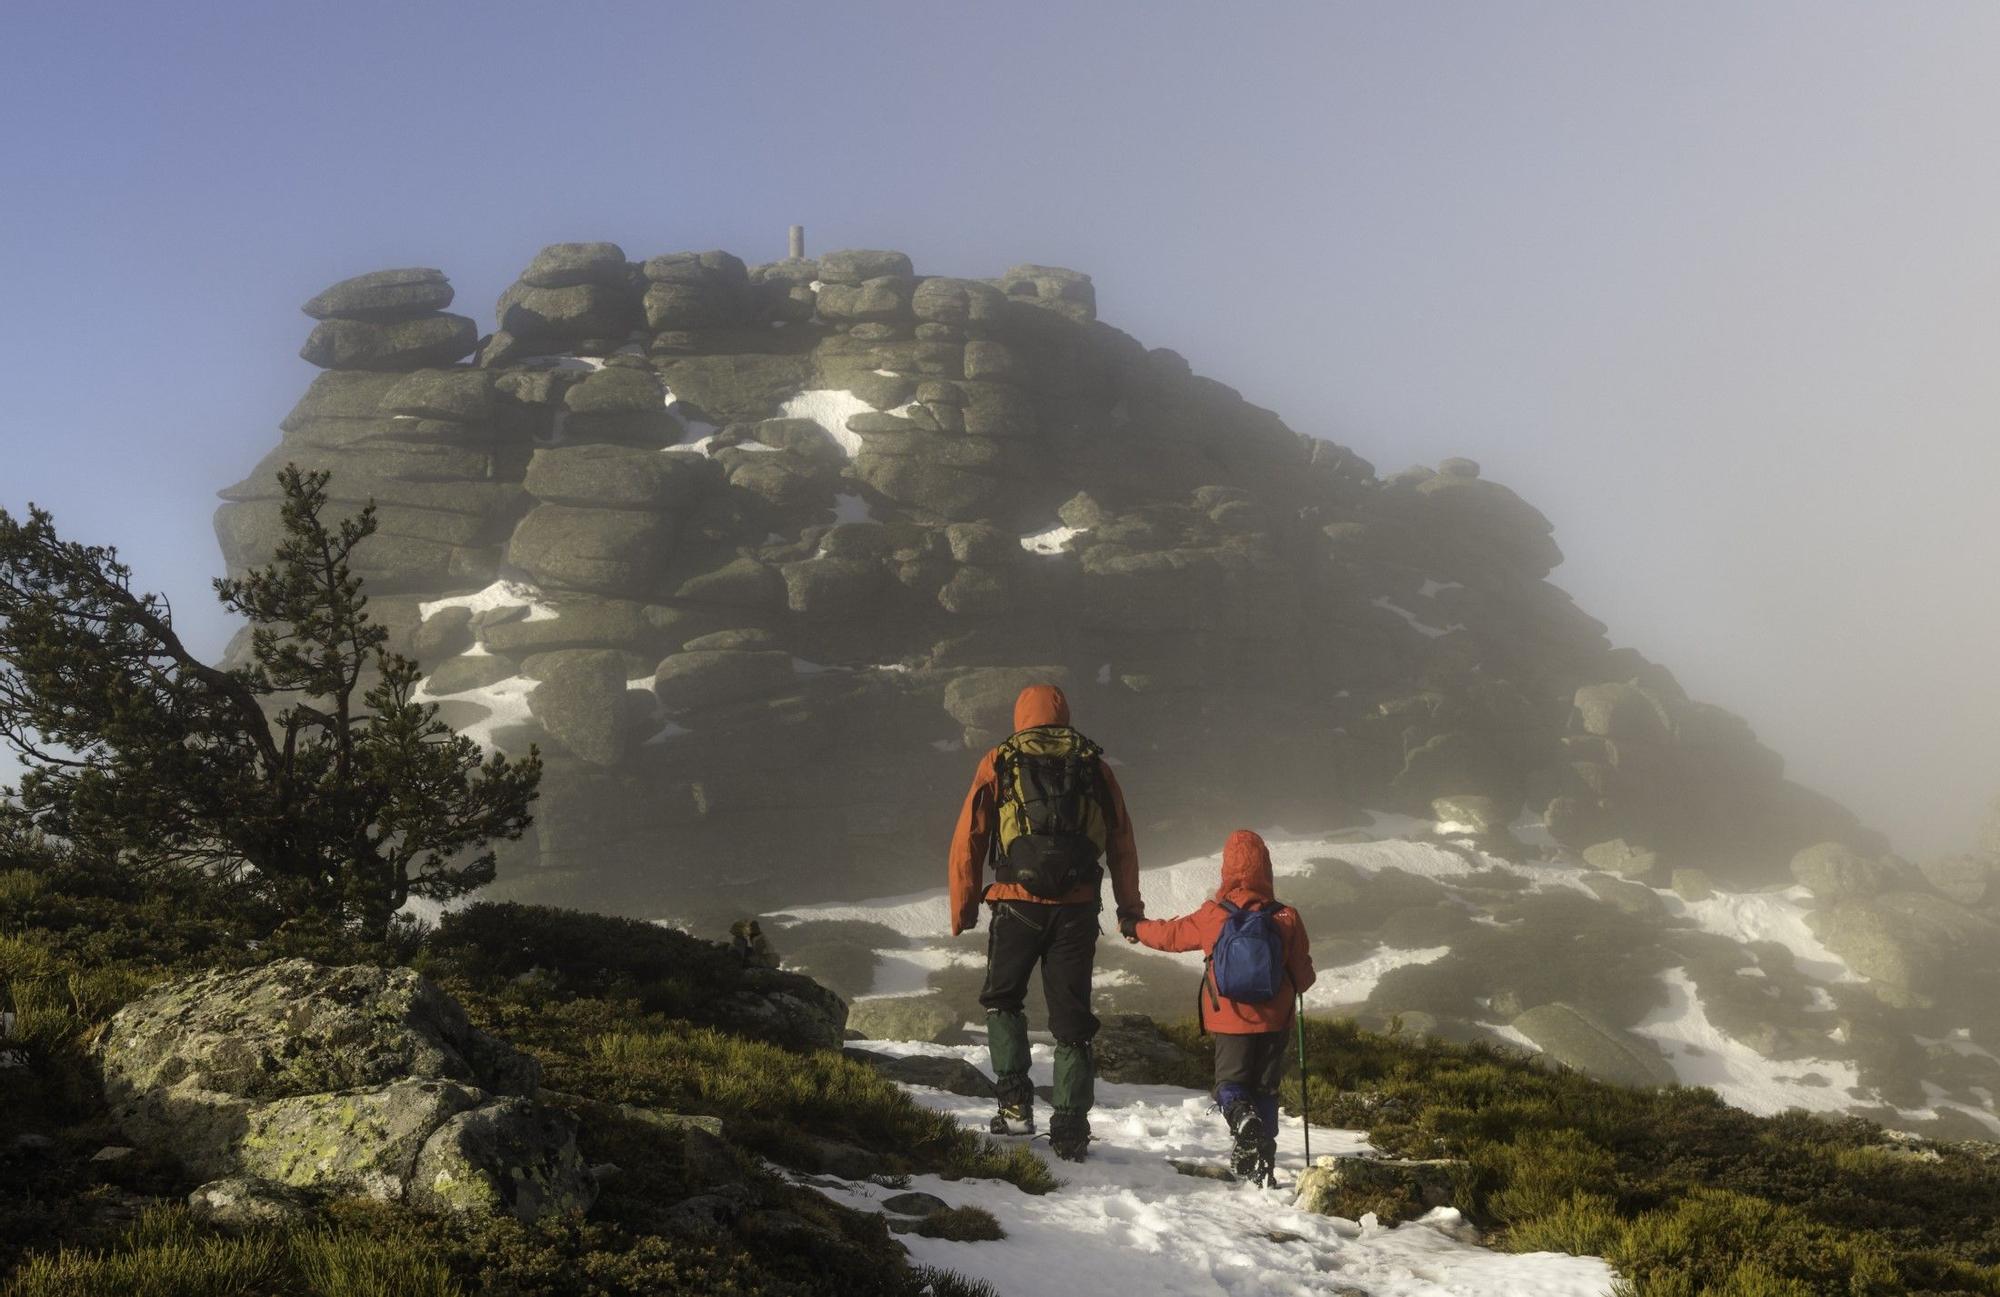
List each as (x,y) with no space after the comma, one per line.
(1305,1083)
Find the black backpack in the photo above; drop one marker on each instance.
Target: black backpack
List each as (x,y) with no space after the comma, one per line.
(1053,820)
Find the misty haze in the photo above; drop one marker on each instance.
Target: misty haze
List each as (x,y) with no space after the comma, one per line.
(885,554)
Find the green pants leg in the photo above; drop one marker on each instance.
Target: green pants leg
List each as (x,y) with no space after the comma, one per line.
(1007,1037)
(1076,1078)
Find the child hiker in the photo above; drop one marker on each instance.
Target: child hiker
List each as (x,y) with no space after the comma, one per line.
(1259,962)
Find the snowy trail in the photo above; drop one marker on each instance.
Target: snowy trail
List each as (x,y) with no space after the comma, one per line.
(1127,1222)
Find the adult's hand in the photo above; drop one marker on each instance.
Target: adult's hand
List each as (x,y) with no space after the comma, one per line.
(1130,927)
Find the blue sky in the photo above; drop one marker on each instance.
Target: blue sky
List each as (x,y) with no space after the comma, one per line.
(1712,284)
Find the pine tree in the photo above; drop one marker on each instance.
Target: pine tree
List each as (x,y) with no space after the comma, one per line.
(310,775)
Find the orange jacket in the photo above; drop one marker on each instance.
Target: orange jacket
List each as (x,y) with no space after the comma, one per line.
(1246,879)
(970,842)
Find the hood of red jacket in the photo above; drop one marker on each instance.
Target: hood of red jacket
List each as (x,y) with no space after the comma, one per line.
(1040,705)
(1246,869)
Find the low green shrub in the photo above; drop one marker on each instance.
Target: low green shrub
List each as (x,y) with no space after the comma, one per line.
(950,1283)
(772,1098)
(961,1225)
(1683,1193)
(582,954)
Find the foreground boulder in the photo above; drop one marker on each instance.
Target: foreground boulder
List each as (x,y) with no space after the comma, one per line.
(1348,1185)
(355,1080)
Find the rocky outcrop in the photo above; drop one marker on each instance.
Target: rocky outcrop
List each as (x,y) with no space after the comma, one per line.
(356,1080)
(896,497)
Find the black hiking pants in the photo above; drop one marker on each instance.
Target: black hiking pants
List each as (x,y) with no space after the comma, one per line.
(1063,940)
(1251,1067)
(1255,1062)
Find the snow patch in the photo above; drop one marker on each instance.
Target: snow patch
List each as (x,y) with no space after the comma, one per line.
(505,701)
(1051,541)
(501,594)
(851,508)
(589,364)
(1429,631)
(1127,1222)
(830,408)
(1702,1054)
(1778,916)
(670,730)
(1350,984)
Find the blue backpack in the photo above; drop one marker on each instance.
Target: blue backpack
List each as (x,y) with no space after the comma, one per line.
(1248,961)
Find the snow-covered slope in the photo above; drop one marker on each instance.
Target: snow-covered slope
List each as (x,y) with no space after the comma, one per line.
(1126,1222)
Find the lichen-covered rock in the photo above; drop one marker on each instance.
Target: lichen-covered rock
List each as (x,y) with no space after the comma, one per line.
(460,395)
(785,1007)
(1908,941)
(361,1141)
(1967,879)
(383,295)
(857,265)
(1345,1182)
(579,311)
(581,703)
(1835,872)
(1642,902)
(602,551)
(1585,1041)
(294,1027)
(1620,711)
(338,1081)
(563,265)
(401,344)
(511,1157)
(1130,1049)
(612,477)
(710,678)
(929,1018)
(881,299)
(241,1200)
(1617,856)
(952,1075)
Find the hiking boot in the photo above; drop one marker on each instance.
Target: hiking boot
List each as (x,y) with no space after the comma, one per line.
(1267,1163)
(1016,1115)
(1069,1135)
(1246,1152)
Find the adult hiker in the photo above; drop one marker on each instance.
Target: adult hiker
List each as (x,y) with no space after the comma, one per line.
(1044,808)
(1259,961)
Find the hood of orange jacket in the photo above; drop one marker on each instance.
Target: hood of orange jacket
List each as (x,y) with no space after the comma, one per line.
(1246,869)
(1040,705)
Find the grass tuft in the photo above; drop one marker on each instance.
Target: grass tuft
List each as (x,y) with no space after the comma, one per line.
(961,1225)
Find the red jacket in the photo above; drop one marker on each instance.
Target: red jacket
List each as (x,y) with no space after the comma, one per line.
(1246,880)
(1037,705)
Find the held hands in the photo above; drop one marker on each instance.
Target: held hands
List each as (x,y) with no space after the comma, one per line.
(1129,926)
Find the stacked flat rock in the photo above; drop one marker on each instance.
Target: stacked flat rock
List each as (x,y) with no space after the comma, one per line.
(758,554)
(572,294)
(395,422)
(390,320)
